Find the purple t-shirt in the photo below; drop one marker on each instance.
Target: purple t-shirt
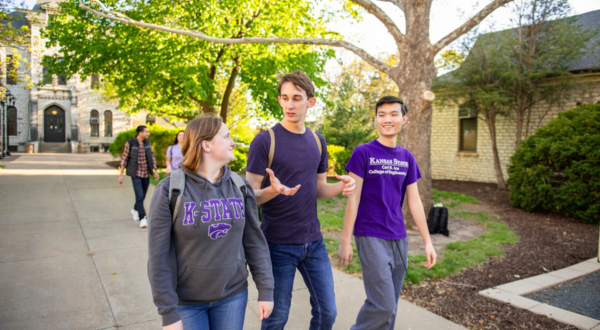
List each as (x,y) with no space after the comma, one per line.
(386,173)
(290,219)
(174,152)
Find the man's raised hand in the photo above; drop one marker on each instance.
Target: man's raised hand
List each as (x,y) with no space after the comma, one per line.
(280,188)
(349,184)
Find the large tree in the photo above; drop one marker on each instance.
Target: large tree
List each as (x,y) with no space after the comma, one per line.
(413,74)
(477,88)
(177,76)
(543,45)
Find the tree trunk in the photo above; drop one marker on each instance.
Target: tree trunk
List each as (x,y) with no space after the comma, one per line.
(490,119)
(227,94)
(527,122)
(206,107)
(414,76)
(519,129)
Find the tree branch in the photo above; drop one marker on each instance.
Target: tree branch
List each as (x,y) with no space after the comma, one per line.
(470,24)
(385,19)
(118,17)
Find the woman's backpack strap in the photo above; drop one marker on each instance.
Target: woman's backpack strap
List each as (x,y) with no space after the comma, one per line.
(176,188)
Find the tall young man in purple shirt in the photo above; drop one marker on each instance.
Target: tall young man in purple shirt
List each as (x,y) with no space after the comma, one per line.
(290,222)
(384,172)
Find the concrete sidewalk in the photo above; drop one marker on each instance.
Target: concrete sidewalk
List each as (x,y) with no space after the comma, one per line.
(71,257)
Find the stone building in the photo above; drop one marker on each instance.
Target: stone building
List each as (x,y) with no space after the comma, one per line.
(461,146)
(63,115)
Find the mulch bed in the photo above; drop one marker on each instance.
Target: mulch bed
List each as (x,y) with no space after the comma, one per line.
(547,242)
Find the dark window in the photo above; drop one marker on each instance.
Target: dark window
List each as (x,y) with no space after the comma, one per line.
(150,119)
(46,77)
(95,82)
(11,70)
(12,120)
(107,123)
(62,79)
(94,124)
(94,148)
(468,134)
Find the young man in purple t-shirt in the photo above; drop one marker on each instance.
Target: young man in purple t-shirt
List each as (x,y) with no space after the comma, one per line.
(384,172)
(290,222)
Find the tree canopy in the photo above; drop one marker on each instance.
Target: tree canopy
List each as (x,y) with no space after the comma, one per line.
(177,76)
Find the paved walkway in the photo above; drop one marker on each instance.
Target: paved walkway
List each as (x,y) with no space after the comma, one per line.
(71,257)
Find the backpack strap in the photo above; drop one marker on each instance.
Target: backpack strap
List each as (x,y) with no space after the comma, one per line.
(271,154)
(176,188)
(318,143)
(239,183)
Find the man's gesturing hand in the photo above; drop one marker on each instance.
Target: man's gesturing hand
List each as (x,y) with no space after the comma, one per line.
(280,188)
(349,184)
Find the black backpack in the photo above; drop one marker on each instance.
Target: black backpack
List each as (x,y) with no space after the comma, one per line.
(438,221)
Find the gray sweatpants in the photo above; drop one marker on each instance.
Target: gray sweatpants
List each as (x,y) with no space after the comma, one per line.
(383,266)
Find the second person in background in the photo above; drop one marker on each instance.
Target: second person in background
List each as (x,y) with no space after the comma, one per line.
(174,154)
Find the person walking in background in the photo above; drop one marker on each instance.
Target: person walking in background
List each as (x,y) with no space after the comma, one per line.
(174,155)
(199,245)
(384,172)
(138,159)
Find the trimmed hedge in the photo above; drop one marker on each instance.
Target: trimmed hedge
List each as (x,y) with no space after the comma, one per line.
(160,138)
(558,168)
(338,158)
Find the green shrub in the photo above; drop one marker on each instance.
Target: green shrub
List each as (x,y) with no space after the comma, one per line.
(338,158)
(160,138)
(241,158)
(558,168)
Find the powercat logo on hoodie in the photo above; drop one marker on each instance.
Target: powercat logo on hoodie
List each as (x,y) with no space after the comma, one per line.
(215,210)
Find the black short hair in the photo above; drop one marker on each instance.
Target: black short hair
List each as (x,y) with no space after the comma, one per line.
(139,129)
(391,99)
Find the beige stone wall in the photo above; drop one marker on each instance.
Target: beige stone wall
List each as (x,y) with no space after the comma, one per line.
(447,163)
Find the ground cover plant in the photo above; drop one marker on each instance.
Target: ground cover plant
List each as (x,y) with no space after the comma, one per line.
(457,255)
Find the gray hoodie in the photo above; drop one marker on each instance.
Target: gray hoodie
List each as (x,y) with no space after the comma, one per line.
(202,256)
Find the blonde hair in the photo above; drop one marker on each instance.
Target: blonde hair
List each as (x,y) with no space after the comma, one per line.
(200,129)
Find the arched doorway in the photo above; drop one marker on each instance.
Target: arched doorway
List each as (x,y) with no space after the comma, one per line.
(54,124)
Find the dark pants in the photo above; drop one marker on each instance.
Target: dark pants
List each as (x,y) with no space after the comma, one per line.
(140,187)
(312,260)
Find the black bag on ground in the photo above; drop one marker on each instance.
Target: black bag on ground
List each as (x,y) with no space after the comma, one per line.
(438,221)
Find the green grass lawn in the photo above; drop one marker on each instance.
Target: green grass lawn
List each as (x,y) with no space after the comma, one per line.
(457,255)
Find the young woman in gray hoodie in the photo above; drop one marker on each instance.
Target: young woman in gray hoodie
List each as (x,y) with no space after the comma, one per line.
(197,261)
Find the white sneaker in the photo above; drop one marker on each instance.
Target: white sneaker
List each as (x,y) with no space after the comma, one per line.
(144,223)
(136,215)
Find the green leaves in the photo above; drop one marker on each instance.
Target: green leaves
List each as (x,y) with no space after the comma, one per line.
(177,76)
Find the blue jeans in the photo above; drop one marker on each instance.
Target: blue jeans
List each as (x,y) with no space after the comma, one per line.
(140,187)
(224,314)
(312,261)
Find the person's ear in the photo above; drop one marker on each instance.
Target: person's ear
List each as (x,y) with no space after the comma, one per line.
(205,146)
(312,101)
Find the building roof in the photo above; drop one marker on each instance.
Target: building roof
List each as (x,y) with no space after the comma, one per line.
(590,61)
